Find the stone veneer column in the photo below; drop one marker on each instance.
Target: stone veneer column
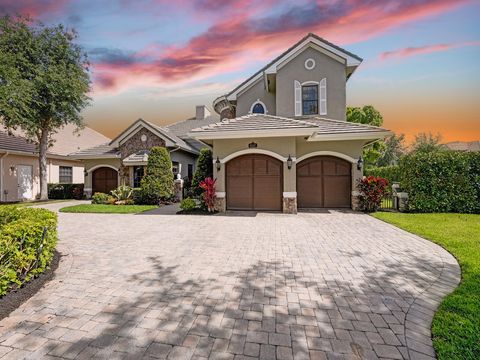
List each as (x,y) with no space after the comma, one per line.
(290,203)
(356,175)
(220,202)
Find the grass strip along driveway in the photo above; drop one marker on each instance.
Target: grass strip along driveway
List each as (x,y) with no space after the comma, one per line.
(107,209)
(456,325)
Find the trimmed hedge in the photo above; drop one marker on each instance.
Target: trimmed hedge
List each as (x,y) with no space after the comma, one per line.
(65,191)
(27,241)
(442,181)
(391,173)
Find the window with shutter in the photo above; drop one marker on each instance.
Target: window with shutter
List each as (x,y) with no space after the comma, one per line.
(298,98)
(323,97)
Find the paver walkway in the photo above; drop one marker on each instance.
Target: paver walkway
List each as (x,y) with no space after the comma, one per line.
(330,285)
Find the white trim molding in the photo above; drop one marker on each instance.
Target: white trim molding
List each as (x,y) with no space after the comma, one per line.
(253,151)
(221,194)
(100,166)
(289,194)
(258,101)
(327,153)
(310,67)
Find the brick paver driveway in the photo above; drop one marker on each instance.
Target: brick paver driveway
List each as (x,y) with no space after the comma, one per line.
(315,285)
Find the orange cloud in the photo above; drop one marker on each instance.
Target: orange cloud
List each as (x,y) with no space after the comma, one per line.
(420,50)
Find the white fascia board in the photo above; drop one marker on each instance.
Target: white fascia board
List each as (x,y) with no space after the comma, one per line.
(130,132)
(251,134)
(350,136)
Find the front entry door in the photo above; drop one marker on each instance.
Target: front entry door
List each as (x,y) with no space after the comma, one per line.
(25,182)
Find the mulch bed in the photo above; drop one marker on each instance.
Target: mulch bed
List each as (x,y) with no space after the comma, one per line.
(13,299)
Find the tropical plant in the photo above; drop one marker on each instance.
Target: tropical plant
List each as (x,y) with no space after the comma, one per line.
(157,184)
(203,170)
(188,204)
(372,190)
(44,81)
(123,194)
(209,193)
(393,151)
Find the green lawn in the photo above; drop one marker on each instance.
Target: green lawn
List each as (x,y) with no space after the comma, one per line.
(107,209)
(456,325)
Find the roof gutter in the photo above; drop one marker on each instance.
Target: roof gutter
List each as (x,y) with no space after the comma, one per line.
(1,175)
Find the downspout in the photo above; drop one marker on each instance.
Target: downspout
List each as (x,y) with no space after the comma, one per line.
(1,176)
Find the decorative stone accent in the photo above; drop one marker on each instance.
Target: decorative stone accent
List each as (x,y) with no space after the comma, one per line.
(355,201)
(220,204)
(135,143)
(228,113)
(178,189)
(289,205)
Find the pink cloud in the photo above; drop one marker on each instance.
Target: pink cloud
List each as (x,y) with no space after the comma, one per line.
(32,8)
(420,50)
(244,35)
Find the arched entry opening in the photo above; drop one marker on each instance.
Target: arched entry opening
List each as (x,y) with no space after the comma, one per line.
(104,179)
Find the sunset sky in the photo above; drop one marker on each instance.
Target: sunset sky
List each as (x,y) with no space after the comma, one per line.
(157,59)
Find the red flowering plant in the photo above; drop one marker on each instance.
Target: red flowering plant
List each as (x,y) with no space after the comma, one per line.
(372,190)
(209,193)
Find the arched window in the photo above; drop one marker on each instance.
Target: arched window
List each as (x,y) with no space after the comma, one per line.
(258,107)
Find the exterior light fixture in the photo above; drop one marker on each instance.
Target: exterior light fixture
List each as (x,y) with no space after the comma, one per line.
(289,162)
(218,163)
(85,172)
(360,163)
(252,145)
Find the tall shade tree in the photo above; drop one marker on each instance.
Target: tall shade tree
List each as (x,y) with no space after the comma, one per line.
(368,115)
(393,151)
(44,81)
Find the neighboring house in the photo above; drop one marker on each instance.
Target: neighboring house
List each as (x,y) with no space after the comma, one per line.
(19,164)
(123,159)
(463,145)
(283,141)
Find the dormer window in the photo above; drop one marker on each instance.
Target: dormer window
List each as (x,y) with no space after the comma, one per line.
(258,107)
(310,99)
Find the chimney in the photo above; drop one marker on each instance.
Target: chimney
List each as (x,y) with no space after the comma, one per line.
(201,112)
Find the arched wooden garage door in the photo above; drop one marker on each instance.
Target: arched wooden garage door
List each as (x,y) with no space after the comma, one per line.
(104,180)
(254,182)
(324,182)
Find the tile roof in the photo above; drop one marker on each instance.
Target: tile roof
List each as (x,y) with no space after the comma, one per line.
(104,150)
(182,128)
(262,122)
(16,143)
(463,145)
(67,140)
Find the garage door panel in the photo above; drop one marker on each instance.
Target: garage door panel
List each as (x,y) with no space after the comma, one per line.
(323,181)
(254,182)
(240,192)
(314,196)
(267,193)
(338,193)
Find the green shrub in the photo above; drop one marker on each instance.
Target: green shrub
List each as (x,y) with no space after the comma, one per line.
(188,204)
(27,240)
(442,181)
(391,173)
(157,184)
(65,191)
(100,198)
(203,170)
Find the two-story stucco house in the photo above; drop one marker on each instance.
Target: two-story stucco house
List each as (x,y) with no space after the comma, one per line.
(283,142)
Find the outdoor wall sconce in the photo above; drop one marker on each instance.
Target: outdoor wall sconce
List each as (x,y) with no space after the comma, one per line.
(359,163)
(85,173)
(289,162)
(218,163)
(252,145)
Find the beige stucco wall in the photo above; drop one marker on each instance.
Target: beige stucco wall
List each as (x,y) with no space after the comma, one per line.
(326,67)
(251,95)
(283,147)
(9,174)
